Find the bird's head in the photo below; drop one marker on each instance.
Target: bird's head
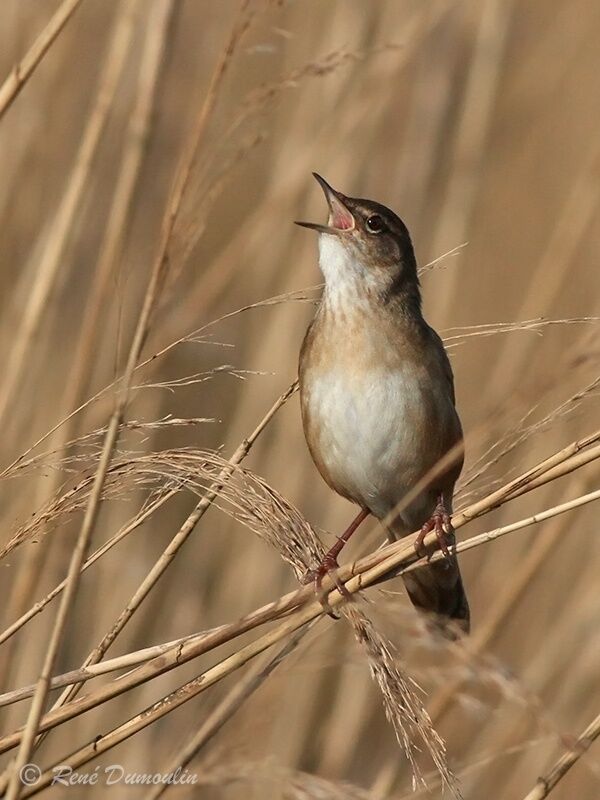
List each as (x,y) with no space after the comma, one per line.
(364,238)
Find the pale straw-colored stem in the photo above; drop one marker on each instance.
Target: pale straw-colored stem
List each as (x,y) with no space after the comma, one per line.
(21,72)
(155,284)
(309,611)
(299,608)
(547,782)
(229,705)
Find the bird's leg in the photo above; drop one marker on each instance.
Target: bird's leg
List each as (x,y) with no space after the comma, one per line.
(329,563)
(439,522)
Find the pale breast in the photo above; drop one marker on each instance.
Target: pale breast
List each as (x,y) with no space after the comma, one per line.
(370,432)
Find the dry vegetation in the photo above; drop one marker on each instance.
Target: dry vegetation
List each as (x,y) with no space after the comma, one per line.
(158,501)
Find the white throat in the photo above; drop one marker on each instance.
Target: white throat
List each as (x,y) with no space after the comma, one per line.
(347,279)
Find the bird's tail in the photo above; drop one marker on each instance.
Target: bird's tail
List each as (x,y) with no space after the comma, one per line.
(438,589)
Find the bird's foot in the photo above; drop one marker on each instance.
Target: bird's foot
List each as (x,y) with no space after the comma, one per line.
(328,567)
(441,523)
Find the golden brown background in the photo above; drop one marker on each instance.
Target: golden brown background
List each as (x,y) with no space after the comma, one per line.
(477,122)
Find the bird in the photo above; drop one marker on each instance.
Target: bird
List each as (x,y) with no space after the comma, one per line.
(377,397)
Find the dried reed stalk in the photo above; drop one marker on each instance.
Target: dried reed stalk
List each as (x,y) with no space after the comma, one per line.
(356,576)
(57,232)
(175,545)
(549,781)
(110,250)
(155,283)
(365,573)
(229,705)
(21,72)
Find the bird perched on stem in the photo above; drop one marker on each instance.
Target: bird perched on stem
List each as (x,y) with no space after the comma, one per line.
(377,394)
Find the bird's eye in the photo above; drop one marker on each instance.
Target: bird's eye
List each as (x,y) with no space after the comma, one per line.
(375,224)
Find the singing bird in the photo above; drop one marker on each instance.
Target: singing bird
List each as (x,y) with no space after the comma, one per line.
(377,394)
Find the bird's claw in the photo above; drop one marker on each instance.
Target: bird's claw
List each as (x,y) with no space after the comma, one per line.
(441,523)
(328,567)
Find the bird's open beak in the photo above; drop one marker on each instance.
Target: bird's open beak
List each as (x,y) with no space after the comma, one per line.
(340,217)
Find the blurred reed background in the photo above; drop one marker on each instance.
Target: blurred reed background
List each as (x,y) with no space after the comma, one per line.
(478,123)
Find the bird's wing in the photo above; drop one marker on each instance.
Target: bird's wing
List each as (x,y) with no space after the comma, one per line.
(444,361)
